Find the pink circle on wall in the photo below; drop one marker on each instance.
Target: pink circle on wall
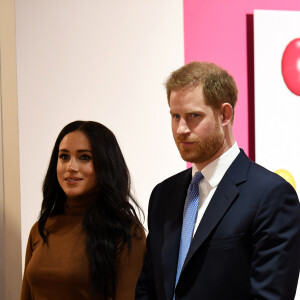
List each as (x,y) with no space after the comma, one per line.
(290,66)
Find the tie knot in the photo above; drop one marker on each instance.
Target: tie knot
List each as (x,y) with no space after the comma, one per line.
(197,178)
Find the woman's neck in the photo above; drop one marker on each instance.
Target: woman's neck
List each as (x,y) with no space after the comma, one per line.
(78,206)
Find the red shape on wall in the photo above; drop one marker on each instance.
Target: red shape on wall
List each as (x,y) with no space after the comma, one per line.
(290,66)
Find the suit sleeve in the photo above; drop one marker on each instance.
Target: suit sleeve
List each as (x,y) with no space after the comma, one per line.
(275,257)
(145,289)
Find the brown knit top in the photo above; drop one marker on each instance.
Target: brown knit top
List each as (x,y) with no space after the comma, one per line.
(60,270)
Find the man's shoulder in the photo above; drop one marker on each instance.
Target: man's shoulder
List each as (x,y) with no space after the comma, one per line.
(175,182)
(260,173)
(257,172)
(178,177)
(171,188)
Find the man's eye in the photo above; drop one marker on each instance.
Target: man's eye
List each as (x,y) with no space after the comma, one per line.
(63,156)
(195,115)
(176,117)
(85,157)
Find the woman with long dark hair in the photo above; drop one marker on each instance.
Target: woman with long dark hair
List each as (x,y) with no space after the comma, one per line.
(88,242)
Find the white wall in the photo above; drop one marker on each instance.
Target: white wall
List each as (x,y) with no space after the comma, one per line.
(96,60)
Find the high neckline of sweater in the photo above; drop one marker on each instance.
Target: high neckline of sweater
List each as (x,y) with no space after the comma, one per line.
(78,206)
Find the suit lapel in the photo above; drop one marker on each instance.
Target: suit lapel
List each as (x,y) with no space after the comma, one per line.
(226,193)
(172,230)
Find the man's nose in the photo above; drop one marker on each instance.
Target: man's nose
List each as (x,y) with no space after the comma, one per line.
(183,127)
(72,165)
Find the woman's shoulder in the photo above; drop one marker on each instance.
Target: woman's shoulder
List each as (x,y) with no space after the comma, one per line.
(137,232)
(34,236)
(134,249)
(138,240)
(34,229)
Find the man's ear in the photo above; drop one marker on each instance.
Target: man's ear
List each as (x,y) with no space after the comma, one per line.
(227,113)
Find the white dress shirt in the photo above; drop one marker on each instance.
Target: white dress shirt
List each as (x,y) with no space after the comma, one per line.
(213,173)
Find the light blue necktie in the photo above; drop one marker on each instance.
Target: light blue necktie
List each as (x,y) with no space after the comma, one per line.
(189,217)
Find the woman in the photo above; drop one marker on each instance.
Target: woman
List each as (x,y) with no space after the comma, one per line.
(88,242)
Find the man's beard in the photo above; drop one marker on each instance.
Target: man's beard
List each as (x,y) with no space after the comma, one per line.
(201,150)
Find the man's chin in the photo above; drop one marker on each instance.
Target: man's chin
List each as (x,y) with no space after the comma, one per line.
(192,158)
(189,158)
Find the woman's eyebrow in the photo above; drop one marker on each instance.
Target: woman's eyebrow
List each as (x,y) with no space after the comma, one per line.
(80,150)
(84,150)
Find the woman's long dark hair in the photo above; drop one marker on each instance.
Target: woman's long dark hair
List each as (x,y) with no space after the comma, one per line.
(108,224)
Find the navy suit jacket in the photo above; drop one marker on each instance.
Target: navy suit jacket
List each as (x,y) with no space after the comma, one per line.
(247,245)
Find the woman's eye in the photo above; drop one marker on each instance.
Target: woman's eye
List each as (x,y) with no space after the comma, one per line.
(85,157)
(63,156)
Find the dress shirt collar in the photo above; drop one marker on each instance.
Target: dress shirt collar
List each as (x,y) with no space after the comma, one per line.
(214,172)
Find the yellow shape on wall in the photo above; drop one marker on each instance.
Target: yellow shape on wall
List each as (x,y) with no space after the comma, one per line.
(287,176)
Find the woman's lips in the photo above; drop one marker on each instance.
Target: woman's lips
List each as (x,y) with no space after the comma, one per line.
(72,180)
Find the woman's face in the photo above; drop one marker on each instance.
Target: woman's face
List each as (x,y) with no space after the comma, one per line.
(75,168)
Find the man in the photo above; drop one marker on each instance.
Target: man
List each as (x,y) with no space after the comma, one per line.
(241,239)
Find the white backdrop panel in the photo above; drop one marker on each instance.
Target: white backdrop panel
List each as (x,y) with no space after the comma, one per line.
(277,137)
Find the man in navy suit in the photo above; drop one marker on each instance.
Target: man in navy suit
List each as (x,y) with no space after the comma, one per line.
(241,240)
